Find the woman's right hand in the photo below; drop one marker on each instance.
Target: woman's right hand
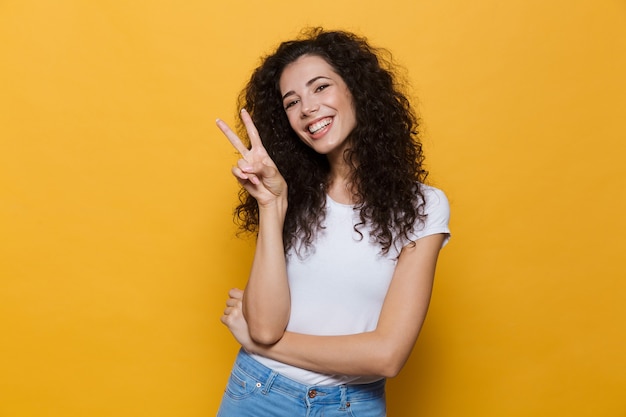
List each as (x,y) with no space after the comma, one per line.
(255,171)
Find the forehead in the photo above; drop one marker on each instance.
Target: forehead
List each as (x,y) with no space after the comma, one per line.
(304,69)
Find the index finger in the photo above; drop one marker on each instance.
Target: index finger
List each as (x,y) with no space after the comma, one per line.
(232,137)
(235,293)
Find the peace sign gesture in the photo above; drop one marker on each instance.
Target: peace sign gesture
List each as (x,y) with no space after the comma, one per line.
(255,171)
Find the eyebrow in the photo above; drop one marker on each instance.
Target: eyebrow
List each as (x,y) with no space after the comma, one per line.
(308,84)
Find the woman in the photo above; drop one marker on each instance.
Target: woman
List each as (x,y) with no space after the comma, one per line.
(348,234)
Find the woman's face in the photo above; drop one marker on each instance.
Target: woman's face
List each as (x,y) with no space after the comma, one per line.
(318,104)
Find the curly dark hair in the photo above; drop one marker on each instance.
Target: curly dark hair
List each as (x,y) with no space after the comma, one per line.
(385,152)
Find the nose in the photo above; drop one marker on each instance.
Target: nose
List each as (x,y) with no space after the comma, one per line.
(309,106)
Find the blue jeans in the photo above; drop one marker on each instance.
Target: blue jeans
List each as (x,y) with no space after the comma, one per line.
(255,390)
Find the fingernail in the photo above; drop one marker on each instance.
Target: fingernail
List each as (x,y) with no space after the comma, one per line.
(244,111)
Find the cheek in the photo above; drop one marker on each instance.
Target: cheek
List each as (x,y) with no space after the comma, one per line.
(293,122)
(350,116)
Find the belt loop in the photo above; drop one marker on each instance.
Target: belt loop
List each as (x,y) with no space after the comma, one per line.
(343,391)
(269,382)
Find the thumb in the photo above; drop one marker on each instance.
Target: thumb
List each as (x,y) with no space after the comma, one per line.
(267,171)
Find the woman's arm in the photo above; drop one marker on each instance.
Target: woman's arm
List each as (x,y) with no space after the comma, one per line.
(267,302)
(266,305)
(381,352)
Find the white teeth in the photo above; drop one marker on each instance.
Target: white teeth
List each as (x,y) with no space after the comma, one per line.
(316,127)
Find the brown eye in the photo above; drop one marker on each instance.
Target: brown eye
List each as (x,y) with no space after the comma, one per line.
(321,87)
(290,104)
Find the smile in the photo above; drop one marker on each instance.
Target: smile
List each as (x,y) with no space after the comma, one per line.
(319,125)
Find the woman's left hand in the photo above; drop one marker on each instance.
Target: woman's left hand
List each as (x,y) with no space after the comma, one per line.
(235,321)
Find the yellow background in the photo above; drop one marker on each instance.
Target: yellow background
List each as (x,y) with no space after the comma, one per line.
(117,245)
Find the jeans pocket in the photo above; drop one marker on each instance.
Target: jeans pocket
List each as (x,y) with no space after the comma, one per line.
(375,407)
(240,385)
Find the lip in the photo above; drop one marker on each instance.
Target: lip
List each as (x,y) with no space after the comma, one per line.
(322,131)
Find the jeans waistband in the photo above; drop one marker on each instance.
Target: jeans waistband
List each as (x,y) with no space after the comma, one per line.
(268,379)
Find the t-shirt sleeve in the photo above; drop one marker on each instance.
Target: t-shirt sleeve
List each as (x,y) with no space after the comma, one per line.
(437,210)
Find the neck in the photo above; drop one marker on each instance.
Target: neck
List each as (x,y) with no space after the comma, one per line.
(340,187)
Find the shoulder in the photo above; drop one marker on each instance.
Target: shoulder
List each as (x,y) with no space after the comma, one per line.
(437,212)
(435,200)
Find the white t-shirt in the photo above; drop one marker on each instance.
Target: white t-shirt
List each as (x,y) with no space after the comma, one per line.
(339,286)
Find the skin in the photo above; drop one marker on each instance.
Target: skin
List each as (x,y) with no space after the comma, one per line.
(257,317)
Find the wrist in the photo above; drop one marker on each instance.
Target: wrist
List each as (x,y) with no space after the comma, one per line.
(251,348)
(276,206)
